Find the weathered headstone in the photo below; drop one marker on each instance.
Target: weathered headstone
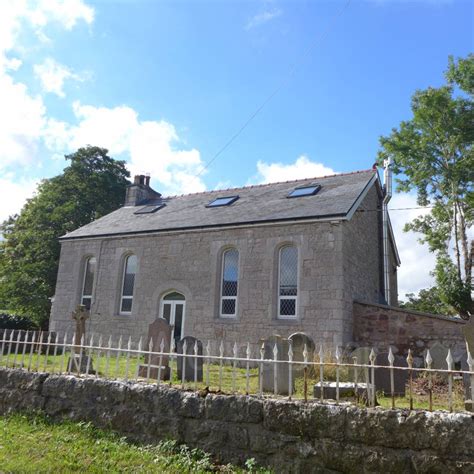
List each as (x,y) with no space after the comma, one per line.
(79,360)
(382,376)
(298,341)
(159,331)
(468,331)
(188,365)
(282,370)
(438,353)
(361,354)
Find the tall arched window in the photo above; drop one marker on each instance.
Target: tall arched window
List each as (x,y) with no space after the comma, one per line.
(128,283)
(287,282)
(88,282)
(229,283)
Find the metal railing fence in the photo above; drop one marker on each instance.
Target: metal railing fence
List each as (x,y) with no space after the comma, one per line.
(200,368)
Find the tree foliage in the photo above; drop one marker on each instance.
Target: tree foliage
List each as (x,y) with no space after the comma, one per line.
(433,154)
(91,186)
(427,301)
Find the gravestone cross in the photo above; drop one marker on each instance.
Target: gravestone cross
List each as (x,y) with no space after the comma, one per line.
(79,361)
(80,315)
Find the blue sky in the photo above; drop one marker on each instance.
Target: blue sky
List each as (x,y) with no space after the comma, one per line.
(164,85)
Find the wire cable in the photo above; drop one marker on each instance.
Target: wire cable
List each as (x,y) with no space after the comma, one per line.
(282,84)
(396,209)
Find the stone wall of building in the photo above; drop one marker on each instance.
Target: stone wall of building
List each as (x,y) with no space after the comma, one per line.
(190,263)
(289,436)
(382,326)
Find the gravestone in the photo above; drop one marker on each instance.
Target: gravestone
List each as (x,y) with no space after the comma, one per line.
(159,330)
(468,331)
(298,341)
(189,364)
(438,354)
(79,361)
(282,370)
(466,378)
(382,376)
(362,355)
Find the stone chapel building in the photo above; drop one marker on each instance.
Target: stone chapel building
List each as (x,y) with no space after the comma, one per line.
(239,264)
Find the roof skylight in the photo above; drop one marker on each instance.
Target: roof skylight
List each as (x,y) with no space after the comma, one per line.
(150,209)
(306,190)
(223,201)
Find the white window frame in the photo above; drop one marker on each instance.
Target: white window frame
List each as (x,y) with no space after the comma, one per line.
(84,270)
(289,297)
(223,298)
(122,297)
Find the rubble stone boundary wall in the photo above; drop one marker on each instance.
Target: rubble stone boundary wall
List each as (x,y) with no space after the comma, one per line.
(380,326)
(288,436)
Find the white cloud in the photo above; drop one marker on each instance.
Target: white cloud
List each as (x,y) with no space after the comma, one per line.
(17,192)
(53,75)
(263,17)
(302,168)
(22,118)
(417,260)
(14,14)
(151,146)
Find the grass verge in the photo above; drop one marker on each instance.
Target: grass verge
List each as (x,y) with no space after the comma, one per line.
(34,443)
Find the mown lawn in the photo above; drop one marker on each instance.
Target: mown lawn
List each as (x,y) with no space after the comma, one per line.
(36,444)
(229,380)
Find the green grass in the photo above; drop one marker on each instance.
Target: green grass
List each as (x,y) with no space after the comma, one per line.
(120,369)
(37,444)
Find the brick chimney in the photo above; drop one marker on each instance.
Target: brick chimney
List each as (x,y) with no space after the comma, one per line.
(140,192)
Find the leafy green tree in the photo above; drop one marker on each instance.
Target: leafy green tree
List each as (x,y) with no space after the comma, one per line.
(91,186)
(427,301)
(433,154)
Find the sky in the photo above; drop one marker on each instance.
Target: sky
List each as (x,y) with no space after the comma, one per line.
(173,88)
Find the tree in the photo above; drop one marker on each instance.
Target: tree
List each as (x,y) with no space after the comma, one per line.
(427,301)
(433,153)
(91,186)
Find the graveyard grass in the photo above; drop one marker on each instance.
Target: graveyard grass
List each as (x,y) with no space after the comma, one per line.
(120,368)
(34,443)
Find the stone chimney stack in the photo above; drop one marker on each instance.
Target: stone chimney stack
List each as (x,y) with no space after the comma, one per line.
(140,192)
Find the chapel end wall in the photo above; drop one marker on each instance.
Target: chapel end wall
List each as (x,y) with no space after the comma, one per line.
(189,263)
(362,257)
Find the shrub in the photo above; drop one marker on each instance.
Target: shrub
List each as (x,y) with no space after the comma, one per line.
(16,321)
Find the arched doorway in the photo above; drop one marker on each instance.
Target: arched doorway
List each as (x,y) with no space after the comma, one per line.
(172,309)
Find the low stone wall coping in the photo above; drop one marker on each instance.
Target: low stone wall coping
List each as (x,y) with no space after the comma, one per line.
(409,311)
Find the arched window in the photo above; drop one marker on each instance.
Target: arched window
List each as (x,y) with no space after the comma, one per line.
(128,283)
(287,282)
(229,283)
(88,282)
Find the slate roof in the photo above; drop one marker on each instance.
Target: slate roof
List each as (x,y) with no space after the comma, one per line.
(256,204)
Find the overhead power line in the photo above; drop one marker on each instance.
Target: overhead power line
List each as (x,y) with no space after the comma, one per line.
(396,209)
(282,84)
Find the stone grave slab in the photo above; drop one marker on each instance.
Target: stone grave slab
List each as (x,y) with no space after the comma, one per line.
(159,330)
(189,363)
(346,389)
(281,369)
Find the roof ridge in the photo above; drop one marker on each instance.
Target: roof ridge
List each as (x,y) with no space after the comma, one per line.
(271,184)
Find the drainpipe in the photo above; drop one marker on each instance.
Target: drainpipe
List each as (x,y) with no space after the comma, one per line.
(387,178)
